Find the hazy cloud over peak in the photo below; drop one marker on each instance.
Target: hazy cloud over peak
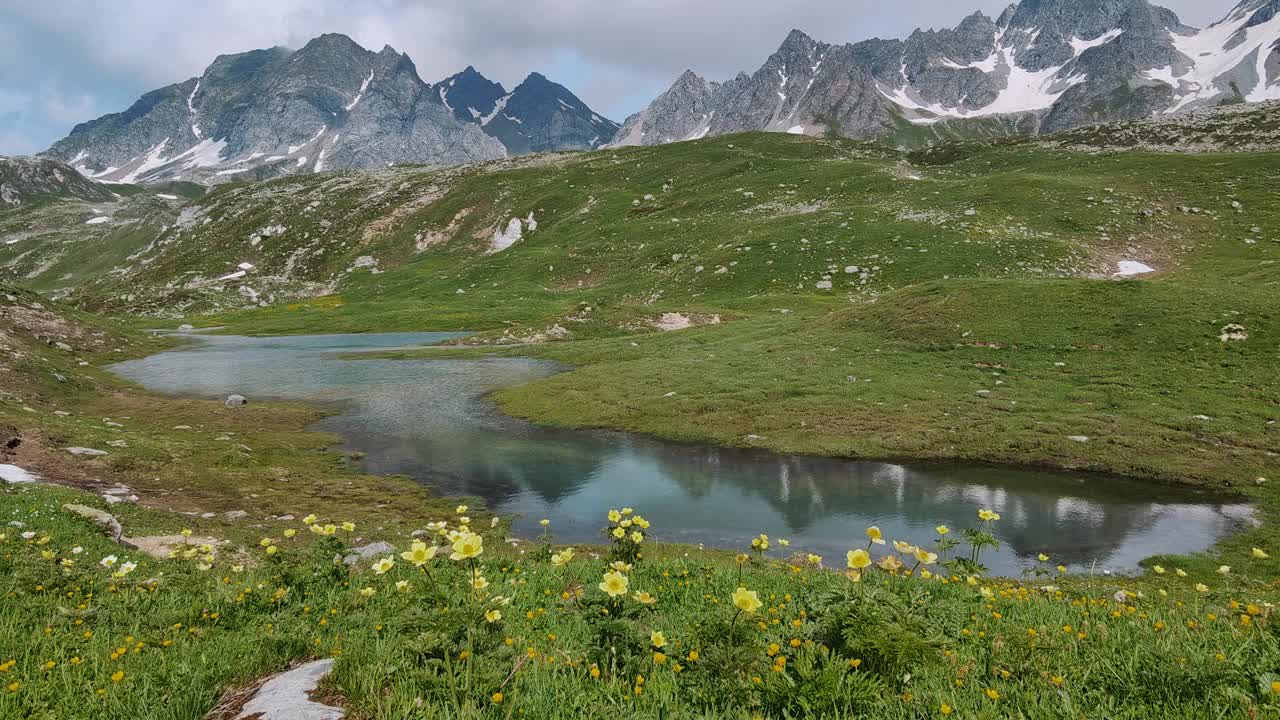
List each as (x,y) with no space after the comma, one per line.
(67,61)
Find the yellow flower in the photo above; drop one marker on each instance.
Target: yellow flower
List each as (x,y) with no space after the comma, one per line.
(627,511)
(858,559)
(991,693)
(620,566)
(402,585)
(890,563)
(619,533)
(945,709)
(1042,557)
(1062,568)
(272,550)
(186,533)
(1224,569)
(924,557)
(309,520)
(1201,587)
(657,639)
(874,534)
(468,546)
(614,584)
(1158,569)
(1260,554)
(904,548)
(349,526)
(290,533)
(1275,687)
(419,554)
(461,509)
(814,559)
(943,530)
(640,522)
(496,698)
(986,515)
(561,559)
(746,600)
(644,598)
(382,566)
(615,516)
(478,582)
(854,576)
(636,537)
(493,616)
(117,676)
(544,522)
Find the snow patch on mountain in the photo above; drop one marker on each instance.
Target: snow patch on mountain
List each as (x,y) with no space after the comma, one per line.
(1213,60)
(363,87)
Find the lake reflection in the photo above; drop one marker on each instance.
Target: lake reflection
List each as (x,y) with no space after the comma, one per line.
(427,419)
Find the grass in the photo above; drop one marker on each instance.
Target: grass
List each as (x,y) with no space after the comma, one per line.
(81,643)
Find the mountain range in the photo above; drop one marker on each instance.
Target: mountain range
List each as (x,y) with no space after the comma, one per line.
(330,105)
(1041,66)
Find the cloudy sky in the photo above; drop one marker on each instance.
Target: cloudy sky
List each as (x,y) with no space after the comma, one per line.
(66,61)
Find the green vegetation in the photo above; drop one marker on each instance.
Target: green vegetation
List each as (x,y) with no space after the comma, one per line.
(842,299)
(551,633)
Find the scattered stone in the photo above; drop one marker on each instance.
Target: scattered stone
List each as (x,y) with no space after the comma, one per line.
(1078,438)
(186,328)
(181,427)
(367,551)
(101,517)
(235,515)
(235,401)
(1233,333)
(14,475)
(119,443)
(287,696)
(86,452)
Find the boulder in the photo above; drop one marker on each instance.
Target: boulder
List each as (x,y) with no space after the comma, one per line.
(287,696)
(235,401)
(105,519)
(367,551)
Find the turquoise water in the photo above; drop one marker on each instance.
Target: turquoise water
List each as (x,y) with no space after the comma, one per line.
(428,419)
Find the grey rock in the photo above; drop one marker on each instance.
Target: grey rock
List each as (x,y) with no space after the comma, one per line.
(368,551)
(287,696)
(104,519)
(235,515)
(86,452)
(235,401)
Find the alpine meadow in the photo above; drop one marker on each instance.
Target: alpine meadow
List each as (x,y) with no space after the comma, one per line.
(932,377)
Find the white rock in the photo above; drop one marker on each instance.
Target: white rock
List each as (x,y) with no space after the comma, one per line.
(1078,438)
(88,452)
(287,696)
(13,475)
